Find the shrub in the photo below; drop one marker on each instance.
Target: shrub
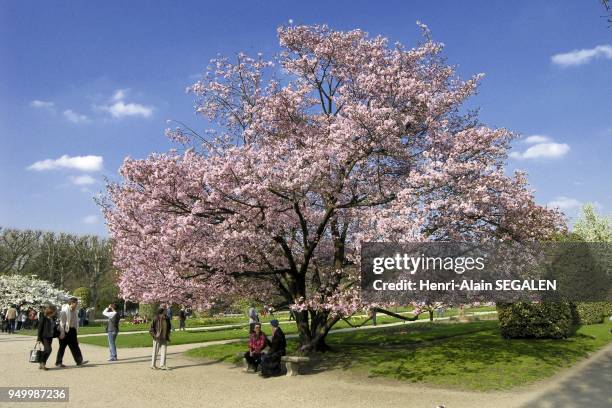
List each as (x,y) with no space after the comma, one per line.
(535,320)
(84,295)
(592,312)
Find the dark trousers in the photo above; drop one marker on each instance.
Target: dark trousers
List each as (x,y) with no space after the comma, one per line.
(71,341)
(46,341)
(11,325)
(270,363)
(252,360)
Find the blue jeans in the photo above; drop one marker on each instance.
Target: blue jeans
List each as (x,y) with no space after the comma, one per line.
(112,336)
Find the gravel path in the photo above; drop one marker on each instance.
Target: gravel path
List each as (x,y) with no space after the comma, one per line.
(131,383)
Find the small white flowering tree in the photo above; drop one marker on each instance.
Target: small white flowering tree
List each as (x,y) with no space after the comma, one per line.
(29,291)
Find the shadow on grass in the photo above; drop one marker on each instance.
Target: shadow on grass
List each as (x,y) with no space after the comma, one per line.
(467,356)
(470,356)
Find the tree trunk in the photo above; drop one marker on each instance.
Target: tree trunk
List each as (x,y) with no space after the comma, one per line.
(431,315)
(312,330)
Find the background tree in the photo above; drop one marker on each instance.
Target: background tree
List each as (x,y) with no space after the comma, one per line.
(340,139)
(29,291)
(593,227)
(84,295)
(68,261)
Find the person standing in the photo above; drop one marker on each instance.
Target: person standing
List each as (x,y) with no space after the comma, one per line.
(81,316)
(182,318)
(170,314)
(68,323)
(21,318)
(253,318)
(112,329)
(11,315)
(160,331)
(4,321)
(46,332)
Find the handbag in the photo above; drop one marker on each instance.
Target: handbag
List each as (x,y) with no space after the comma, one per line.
(36,353)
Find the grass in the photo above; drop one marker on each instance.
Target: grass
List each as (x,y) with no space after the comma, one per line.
(199,336)
(468,356)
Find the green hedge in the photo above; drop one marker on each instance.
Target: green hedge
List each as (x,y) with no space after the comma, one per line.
(535,320)
(593,312)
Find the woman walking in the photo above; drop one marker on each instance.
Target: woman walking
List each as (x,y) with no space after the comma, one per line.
(46,332)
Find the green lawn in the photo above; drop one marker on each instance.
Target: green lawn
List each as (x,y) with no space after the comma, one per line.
(470,356)
(186,337)
(194,322)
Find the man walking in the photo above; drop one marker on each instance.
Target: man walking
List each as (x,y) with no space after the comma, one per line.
(11,315)
(112,329)
(68,323)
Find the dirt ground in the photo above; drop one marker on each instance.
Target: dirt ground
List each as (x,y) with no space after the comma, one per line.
(189,383)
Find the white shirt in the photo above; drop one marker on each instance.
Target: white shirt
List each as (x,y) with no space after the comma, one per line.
(109,313)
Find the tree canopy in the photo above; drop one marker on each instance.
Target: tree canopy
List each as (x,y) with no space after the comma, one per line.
(339,139)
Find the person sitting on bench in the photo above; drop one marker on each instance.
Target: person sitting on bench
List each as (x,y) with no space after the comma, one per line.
(257,342)
(270,361)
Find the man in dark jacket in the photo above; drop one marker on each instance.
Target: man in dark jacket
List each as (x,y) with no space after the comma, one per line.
(160,331)
(270,362)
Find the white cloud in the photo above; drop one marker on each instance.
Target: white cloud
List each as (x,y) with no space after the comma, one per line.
(42,104)
(119,108)
(90,219)
(584,56)
(82,180)
(75,117)
(536,139)
(82,163)
(542,147)
(120,94)
(565,203)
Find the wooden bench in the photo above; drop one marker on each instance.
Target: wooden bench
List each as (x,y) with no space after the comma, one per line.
(292,363)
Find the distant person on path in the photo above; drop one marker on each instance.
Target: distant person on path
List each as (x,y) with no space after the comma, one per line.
(182,318)
(82,315)
(253,318)
(21,318)
(257,342)
(32,319)
(160,331)
(46,332)
(11,315)
(68,323)
(112,329)
(270,361)
(3,320)
(169,314)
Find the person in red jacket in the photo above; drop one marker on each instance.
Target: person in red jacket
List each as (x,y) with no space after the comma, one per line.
(257,342)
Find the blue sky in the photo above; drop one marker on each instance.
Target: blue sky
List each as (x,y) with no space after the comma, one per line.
(85,84)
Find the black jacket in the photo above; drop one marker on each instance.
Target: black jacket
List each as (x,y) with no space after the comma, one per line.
(46,328)
(278,344)
(154,330)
